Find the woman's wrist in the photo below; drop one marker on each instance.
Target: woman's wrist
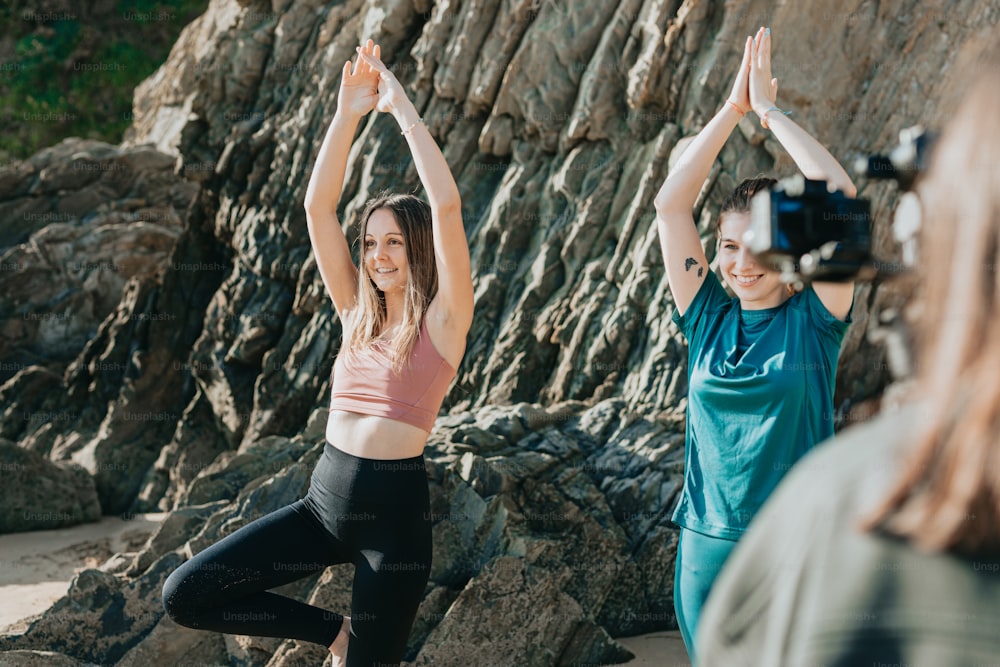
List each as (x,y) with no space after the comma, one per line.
(730,104)
(767,113)
(406,115)
(345,116)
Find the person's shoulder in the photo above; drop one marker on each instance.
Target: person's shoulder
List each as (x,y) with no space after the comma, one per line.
(835,480)
(859,454)
(711,299)
(809,308)
(717,299)
(805,299)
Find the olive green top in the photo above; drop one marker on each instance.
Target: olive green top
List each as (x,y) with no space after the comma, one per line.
(806,587)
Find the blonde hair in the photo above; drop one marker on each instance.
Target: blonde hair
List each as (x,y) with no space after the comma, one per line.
(948,495)
(366,324)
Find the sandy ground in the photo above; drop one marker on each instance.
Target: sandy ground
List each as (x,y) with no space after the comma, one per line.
(36,568)
(662,649)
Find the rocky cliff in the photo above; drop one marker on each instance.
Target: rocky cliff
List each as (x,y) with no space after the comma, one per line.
(189,363)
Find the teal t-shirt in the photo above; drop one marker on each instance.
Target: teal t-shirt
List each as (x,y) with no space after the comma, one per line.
(760,395)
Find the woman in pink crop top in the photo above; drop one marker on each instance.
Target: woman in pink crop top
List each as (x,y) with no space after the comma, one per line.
(406,310)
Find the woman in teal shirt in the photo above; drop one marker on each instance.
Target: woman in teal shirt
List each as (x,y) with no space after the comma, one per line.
(762,365)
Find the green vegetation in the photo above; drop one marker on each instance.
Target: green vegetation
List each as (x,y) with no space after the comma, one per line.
(70,69)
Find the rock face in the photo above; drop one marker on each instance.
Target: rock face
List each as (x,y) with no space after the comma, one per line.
(81,219)
(95,324)
(195,390)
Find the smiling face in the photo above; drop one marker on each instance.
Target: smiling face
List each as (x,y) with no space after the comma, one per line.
(754,284)
(385,252)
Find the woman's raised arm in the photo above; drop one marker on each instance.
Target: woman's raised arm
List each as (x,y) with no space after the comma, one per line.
(683,256)
(810,156)
(358,94)
(453,305)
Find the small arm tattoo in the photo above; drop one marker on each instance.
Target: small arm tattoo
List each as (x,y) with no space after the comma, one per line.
(691,261)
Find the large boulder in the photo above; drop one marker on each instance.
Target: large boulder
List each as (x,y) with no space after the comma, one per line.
(39,494)
(125,612)
(80,220)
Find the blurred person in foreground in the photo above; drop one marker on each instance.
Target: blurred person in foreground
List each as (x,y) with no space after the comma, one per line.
(883,547)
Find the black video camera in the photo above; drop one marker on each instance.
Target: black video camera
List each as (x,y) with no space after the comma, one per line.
(905,164)
(807,232)
(810,233)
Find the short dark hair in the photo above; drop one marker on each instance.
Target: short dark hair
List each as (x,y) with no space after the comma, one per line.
(738,200)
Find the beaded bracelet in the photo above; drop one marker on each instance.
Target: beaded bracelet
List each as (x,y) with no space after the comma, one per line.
(413,125)
(763,116)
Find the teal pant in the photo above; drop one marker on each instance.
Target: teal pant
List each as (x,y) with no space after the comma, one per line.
(699,560)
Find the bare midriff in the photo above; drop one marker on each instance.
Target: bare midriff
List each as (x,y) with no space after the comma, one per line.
(372,437)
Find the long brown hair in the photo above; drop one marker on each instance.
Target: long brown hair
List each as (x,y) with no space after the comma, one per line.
(366,324)
(948,495)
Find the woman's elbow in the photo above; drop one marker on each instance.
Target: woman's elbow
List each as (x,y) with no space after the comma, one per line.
(448,206)
(666,200)
(316,201)
(310,204)
(316,207)
(665,207)
(310,214)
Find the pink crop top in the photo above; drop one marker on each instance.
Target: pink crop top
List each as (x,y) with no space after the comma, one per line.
(367,385)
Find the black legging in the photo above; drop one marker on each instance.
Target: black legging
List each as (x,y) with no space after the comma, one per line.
(373,513)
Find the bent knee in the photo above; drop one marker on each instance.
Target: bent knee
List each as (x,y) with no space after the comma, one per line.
(178,598)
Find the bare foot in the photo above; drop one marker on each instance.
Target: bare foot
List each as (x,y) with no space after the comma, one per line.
(339,646)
